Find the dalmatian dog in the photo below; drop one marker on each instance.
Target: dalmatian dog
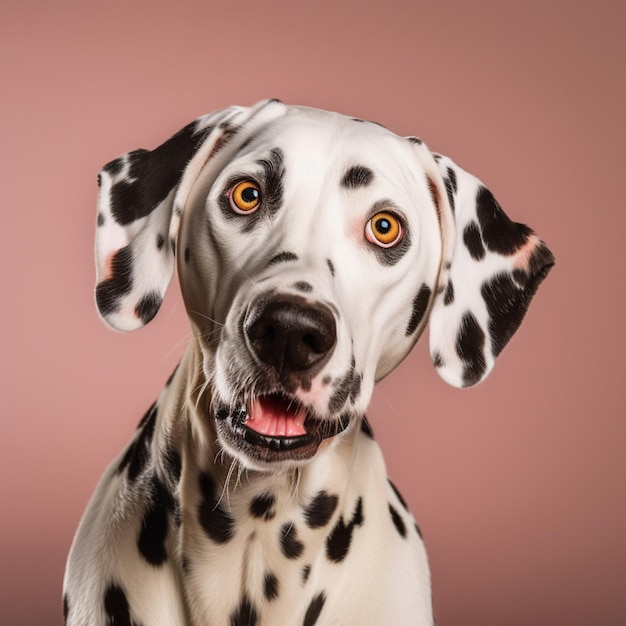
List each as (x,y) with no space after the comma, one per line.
(311,249)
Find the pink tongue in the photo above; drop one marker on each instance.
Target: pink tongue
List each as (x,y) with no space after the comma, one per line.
(272,416)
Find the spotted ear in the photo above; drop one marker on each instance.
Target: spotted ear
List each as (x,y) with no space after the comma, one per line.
(491,269)
(141,199)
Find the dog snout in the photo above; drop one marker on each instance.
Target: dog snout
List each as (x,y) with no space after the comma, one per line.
(291,334)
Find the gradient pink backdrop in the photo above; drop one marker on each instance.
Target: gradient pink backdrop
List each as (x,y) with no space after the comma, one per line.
(519,484)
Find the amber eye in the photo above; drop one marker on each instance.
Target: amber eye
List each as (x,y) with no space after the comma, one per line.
(245,197)
(384,229)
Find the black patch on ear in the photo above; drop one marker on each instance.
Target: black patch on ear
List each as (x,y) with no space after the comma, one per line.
(366,428)
(398,495)
(245,614)
(153,174)
(216,522)
(314,610)
(261,506)
(115,166)
(470,346)
(270,586)
(138,452)
(437,358)
(357,176)
(111,290)
(473,241)
(500,234)
(397,521)
(153,534)
(282,257)
(450,183)
(448,298)
(148,306)
(320,510)
(508,297)
(290,545)
(420,305)
(331,267)
(339,540)
(116,606)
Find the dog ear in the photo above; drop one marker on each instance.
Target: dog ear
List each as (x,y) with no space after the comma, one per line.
(141,199)
(490,271)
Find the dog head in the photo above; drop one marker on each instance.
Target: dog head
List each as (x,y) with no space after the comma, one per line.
(311,248)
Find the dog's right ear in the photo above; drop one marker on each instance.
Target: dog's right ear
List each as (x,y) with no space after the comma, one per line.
(141,199)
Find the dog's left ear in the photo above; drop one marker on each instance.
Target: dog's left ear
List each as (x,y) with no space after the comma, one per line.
(141,199)
(490,271)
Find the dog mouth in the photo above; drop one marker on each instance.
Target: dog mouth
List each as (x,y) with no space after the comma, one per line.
(274,427)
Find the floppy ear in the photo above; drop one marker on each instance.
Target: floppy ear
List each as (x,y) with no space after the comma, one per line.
(141,199)
(491,269)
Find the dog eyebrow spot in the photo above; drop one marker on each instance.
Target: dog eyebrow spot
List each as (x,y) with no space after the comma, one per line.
(303,286)
(281,257)
(357,176)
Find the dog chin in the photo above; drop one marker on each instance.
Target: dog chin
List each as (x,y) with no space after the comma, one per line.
(274,431)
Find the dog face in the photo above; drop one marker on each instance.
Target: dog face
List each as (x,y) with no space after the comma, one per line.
(311,248)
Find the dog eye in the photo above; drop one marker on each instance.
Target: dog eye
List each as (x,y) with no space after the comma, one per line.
(245,197)
(384,229)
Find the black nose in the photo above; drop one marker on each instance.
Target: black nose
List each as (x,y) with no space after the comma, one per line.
(291,334)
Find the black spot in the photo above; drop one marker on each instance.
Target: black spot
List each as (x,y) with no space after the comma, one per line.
(451,186)
(306,570)
(357,176)
(290,545)
(366,428)
(138,452)
(110,291)
(101,219)
(148,306)
(281,257)
(339,540)
(173,245)
(303,286)
(438,359)
(331,267)
(314,610)
(470,345)
(420,306)
(152,174)
(473,241)
(261,506)
(66,608)
(99,180)
(173,465)
(508,297)
(357,119)
(397,521)
(419,532)
(500,234)
(216,522)
(187,255)
(116,607)
(115,166)
(346,387)
(398,495)
(270,586)
(320,510)
(415,140)
(186,565)
(448,299)
(245,614)
(153,533)
(160,242)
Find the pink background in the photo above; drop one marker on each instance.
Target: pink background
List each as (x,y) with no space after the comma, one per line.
(519,484)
